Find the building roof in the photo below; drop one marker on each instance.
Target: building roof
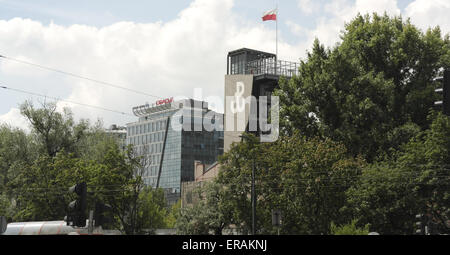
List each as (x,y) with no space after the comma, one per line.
(211,167)
(147,109)
(242,50)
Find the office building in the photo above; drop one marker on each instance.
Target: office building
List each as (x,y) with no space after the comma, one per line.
(172,135)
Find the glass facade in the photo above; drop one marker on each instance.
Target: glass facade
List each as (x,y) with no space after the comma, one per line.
(181,149)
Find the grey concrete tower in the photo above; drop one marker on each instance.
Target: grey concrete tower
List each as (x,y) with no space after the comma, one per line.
(250,73)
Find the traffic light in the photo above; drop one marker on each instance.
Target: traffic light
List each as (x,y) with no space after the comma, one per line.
(76,215)
(100,214)
(420,224)
(445,91)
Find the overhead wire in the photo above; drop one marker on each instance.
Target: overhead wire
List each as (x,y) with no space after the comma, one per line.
(62,100)
(78,76)
(85,78)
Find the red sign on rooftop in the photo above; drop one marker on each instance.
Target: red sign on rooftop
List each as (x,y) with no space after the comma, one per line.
(164,101)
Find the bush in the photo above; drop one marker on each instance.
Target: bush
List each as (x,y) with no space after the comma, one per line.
(349,229)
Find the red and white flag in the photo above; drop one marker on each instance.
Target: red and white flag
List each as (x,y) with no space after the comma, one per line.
(270,15)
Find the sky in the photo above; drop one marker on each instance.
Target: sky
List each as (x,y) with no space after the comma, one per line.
(160,48)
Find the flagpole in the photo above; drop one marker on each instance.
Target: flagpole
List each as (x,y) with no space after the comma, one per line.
(276,39)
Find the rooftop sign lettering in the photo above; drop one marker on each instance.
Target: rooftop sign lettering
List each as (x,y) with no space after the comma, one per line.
(164,101)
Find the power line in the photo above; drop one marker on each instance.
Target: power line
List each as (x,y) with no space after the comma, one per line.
(404,183)
(85,78)
(79,76)
(89,79)
(67,101)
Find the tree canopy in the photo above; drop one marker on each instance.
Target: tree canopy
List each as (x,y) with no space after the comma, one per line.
(361,146)
(373,91)
(37,168)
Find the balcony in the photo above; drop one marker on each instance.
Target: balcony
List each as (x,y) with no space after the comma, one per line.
(248,61)
(272,67)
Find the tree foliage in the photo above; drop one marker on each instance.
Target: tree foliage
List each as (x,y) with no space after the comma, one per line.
(349,229)
(37,169)
(359,145)
(212,214)
(390,193)
(307,184)
(52,130)
(373,91)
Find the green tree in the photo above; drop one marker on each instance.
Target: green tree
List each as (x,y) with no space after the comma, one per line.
(373,91)
(171,218)
(41,190)
(213,213)
(37,169)
(390,193)
(5,207)
(118,182)
(16,151)
(349,229)
(306,179)
(152,211)
(52,130)
(193,221)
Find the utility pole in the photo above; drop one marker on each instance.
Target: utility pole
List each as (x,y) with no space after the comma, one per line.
(253,192)
(91,223)
(276,219)
(253,198)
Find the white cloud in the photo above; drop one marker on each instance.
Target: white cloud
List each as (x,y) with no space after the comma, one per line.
(308,6)
(426,14)
(333,16)
(163,58)
(14,119)
(423,13)
(379,6)
(168,58)
(296,29)
(340,12)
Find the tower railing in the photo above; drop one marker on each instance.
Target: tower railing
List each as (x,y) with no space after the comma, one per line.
(272,67)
